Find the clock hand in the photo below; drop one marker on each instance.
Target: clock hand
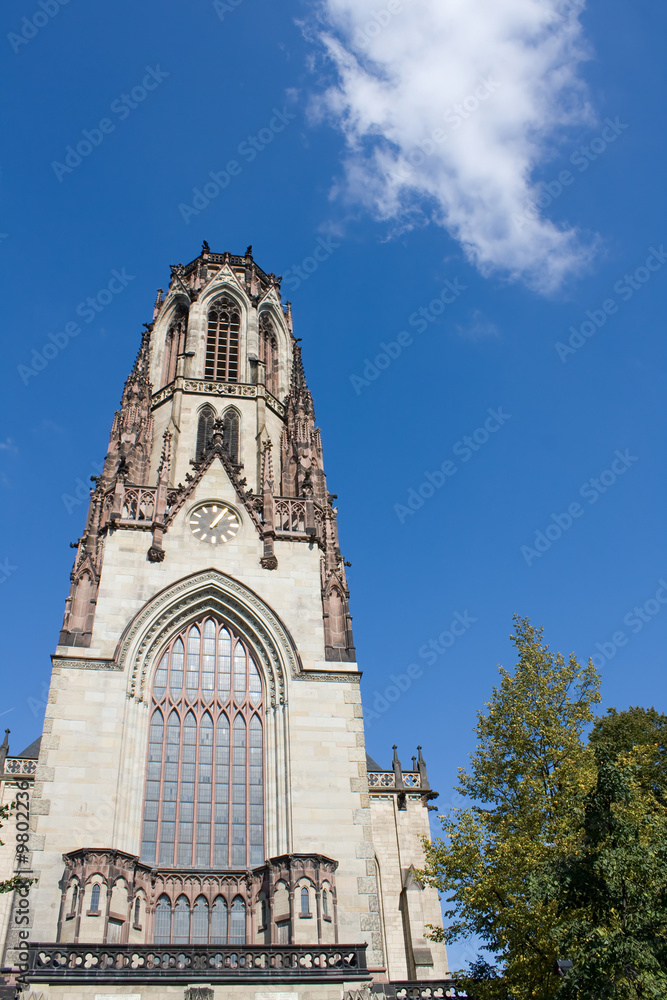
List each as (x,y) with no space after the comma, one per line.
(218,518)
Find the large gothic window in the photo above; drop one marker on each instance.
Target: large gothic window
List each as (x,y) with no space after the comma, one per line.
(268,352)
(222,342)
(204,805)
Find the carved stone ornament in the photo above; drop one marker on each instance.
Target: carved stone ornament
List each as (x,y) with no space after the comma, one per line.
(213,591)
(199,993)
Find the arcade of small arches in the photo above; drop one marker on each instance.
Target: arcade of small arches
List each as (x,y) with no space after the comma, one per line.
(110,897)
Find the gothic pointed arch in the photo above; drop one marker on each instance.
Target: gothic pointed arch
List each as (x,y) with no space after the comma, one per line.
(223,340)
(174,344)
(273,646)
(212,663)
(268,351)
(205,422)
(231,433)
(204,798)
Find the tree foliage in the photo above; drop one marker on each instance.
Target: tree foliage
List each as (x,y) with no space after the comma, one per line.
(17,882)
(612,894)
(526,781)
(562,849)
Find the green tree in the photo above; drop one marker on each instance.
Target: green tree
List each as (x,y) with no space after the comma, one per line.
(623,732)
(612,894)
(527,779)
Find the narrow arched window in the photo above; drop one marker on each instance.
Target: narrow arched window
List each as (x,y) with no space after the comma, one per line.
(202,809)
(222,342)
(181,925)
(137,911)
(163,921)
(204,431)
(200,921)
(174,345)
(75,898)
(237,922)
(219,921)
(95,899)
(268,352)
(305,902)
(325,903)
(230,435)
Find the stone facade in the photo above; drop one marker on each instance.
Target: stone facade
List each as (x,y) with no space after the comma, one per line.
(216,414)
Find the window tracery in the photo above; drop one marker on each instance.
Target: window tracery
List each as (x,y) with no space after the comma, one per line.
(268,352)
(222,342)
(204,802)
(174,345)
(204,431)
(230,434)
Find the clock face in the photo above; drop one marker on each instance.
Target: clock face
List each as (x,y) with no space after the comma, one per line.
(214,522)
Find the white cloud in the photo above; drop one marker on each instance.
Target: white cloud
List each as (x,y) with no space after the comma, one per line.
(448,106)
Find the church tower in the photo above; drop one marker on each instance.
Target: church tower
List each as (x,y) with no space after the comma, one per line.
(205,819)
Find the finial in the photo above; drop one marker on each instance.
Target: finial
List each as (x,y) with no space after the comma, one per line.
(248,252)
(205,248)
(5,742)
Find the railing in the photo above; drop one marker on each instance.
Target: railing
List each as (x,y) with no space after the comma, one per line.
(290,517)
(20,765)
(138,506)
(56,963)
(387,779)
(422,990)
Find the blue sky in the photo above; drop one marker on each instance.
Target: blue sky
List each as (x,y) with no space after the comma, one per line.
(514,234)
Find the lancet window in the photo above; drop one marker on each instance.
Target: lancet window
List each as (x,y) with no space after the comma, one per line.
(222,342)
(268,352)
(174,345)
(204,803)
(204,430)
(230,434)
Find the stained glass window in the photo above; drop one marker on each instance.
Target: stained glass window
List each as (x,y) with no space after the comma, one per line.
(204,801)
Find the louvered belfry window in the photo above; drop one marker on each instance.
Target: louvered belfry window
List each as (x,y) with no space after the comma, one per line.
(204,804)
(222,342)
(268,352)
